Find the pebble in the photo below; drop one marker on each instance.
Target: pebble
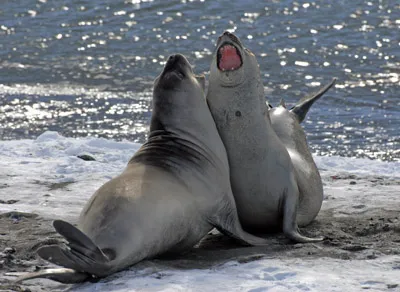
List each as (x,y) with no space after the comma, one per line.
(86,157)
(9,250)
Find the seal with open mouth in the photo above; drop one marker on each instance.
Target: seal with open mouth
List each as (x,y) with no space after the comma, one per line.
(263,179)
(174,190)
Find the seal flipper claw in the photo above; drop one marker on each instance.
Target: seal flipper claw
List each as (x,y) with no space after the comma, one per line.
(55,254)
(62,275)
(301,108)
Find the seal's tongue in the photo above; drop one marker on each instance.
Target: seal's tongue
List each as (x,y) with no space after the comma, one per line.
(229,58)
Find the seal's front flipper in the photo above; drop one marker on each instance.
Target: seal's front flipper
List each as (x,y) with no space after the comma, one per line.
(301,108)
(227,222)
(62,275)
(80,253)
(290,228)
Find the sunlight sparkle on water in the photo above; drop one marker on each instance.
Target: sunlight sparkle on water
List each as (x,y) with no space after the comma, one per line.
(301,63)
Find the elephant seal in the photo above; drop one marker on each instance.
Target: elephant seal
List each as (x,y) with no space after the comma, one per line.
(263,179)
(286,124)
(174,190)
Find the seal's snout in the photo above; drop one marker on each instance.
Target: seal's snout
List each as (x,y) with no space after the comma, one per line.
(228,35)
(231,36)
(176,60)
(176,65)
(176,69)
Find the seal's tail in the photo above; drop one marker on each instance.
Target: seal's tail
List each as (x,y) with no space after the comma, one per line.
(302,107)
(81,258)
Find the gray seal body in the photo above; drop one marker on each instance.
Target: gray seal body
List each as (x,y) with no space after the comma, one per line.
(262,175)
(174,190)
(286,124)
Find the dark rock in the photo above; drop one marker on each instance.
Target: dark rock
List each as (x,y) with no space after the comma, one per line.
(86,157)
(9,202)
(359,206)
(9,250)
(345,256)
(250,258)
(17,215)
(353,247)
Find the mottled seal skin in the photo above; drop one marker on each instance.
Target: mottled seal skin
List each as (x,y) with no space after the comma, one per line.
(286,124)
(262,175)
(174,190)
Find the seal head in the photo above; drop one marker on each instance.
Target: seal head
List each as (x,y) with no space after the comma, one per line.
(177,92)
(230,57)
(175,70)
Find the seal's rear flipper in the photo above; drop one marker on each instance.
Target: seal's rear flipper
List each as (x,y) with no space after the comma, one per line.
(302,107)
(79,241)
(80,254)
(62,275)
(227,222)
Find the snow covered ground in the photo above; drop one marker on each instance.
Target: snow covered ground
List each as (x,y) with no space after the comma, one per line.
(45,177)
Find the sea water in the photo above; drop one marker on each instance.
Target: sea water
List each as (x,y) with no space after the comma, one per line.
(86,68)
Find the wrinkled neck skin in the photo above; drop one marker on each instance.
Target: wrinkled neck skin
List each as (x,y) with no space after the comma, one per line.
(183,128)
(186,117)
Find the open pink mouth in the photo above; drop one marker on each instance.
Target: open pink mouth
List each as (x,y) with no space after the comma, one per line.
(228,58)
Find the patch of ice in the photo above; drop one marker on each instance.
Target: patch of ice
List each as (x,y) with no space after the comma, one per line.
(38,170)
(360,166)
(285,274)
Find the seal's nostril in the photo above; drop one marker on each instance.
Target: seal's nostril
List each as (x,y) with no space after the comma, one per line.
(171,58)
(227,33)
